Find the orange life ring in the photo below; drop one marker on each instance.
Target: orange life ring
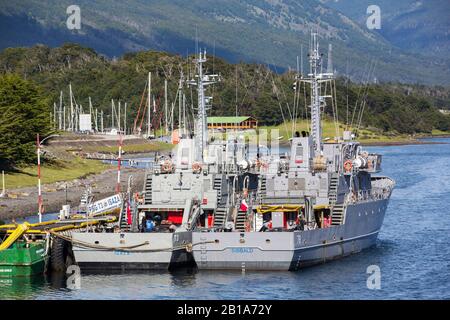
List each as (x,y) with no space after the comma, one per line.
(264,165)
(167,166)
(138,199)
(348,165)
(196,167)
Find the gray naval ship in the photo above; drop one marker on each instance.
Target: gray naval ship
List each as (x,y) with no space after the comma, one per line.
(183,192)
(320,202)
(213,207)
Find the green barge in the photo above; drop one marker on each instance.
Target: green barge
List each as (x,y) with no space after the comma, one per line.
(23,259)
(25,248)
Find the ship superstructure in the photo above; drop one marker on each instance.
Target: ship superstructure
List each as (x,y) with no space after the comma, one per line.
(183,191)
(318,203)
(211,206)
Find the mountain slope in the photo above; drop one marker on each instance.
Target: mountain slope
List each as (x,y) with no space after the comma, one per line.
(269,31)
(262,93)
(417,26)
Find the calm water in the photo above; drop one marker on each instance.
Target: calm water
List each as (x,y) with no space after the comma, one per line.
(413,253)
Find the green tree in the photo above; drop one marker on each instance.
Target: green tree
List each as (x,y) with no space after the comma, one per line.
(24,112)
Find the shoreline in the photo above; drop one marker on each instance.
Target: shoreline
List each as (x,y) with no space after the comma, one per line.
(22,202)
(393,142)
(399,143)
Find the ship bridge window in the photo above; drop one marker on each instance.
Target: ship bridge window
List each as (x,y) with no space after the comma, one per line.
(185,156)
(299,151)
(299,154)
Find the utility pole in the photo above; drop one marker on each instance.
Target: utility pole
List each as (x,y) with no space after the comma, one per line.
(112,114)
(184,113)
(96,120)
(180,87)
(54,115)
(171,117)
(71,108)
(118,121)
(3,183)
(165,105)
(101,120)
(149,103)
(91,111)
(236,71)
(60,110)
(77,108)
(118,164)
(125,120)
(38,145)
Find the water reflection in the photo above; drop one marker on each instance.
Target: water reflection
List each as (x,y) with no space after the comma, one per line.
(21,287)
(412,252)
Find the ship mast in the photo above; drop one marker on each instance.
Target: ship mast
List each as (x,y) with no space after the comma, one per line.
(316,78)
(201,130)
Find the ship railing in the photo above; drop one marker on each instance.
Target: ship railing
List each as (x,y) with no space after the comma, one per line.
(373,194)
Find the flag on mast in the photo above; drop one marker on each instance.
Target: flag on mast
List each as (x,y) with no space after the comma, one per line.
(244,205)
(128,213)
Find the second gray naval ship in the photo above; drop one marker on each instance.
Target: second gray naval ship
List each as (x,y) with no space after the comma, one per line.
(215,208)
(183,192)
(319,203)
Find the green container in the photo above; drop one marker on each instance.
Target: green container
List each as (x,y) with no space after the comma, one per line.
(23,259)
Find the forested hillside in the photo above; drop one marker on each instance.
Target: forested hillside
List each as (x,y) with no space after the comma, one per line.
(261,92)
(263,31)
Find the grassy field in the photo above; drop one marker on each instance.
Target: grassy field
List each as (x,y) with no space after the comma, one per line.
(131,148)
(366,135)
(436,132)
(60,171)
(69,167)
(330,130)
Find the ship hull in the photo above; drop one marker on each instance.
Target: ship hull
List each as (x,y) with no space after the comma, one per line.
(158,251)
(291,250)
